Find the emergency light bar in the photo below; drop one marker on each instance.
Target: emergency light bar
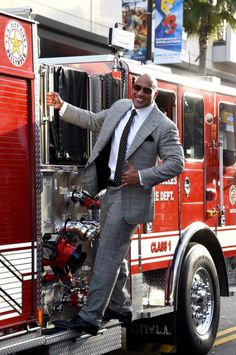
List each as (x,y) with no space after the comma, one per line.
(120,38)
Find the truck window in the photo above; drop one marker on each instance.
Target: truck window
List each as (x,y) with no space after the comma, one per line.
(166,103)
(193,127)
(226,132)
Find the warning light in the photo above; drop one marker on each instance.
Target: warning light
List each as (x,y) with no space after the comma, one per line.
(40,316)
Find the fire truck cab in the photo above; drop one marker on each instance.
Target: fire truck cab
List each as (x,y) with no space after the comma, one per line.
(180,264)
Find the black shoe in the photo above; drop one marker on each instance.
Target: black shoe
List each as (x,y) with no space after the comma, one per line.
(78,324)
(122,317)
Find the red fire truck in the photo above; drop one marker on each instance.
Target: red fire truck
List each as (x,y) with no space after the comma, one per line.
(180,264)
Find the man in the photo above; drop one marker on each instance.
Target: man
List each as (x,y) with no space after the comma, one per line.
(128,176)
(126,18)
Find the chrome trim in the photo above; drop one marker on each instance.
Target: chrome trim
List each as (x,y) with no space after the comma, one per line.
(50,168)
(30,330)
(221,185)
(37,257)
(8,336)
(153,312)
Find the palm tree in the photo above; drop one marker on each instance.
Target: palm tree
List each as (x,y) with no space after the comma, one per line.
(204,18)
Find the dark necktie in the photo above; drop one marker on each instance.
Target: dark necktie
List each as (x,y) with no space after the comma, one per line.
(122,149)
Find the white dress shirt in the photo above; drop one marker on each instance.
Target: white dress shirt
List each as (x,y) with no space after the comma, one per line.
(138,120)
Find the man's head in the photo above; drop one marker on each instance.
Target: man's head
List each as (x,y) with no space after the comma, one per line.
(144,91)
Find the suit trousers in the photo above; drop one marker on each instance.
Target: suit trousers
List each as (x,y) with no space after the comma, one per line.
(110,273)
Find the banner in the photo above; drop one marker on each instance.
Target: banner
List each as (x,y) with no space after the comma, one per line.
(168,31)
(134,17)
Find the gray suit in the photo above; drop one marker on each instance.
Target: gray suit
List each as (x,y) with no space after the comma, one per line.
(123,208)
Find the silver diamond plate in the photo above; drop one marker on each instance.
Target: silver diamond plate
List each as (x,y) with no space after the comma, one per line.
(80,59)
(108,339)
(154,283)
(155,278)
(147,290)
(137,293)
(65,343)
(20,343)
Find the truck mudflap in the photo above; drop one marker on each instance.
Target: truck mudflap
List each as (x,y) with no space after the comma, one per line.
(64,342)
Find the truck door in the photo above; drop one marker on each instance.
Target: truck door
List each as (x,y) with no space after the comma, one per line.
(195,107)
(226,114)
(166,193)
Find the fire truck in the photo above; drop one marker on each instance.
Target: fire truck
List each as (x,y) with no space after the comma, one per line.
(180,264)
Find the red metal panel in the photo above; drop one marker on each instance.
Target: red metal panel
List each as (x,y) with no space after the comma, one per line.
(14,159)
(15,201)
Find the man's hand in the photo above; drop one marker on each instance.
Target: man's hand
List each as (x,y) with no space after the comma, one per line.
(54,99)
(130,176)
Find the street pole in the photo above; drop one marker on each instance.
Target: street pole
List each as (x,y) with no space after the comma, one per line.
(149,31)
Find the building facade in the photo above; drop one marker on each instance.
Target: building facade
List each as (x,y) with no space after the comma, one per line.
(82,27)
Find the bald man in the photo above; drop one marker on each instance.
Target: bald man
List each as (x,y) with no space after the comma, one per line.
(133,135)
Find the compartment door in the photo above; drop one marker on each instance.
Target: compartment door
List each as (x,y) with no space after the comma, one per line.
(16,191)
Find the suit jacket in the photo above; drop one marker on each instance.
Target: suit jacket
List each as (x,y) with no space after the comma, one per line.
(157,138)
